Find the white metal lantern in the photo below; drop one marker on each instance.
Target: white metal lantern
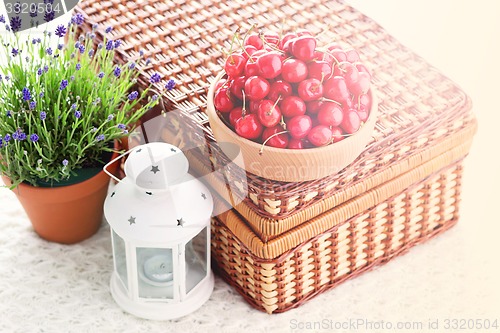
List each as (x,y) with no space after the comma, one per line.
(160,227)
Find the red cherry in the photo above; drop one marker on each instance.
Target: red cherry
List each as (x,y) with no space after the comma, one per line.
(339,55)
(362,112)
(310,89)
(313,107)
(330,114)
(333,46)
(351,122)
(248,127)
(251,67)
(253,107)
(254,40)
(269,113)
(271,37)
(364,100)
(279,88)
(235,64)
(362,85)
(288,36)
(336,89)
(234,115)
(303,47)
(319,69)
(352,55)
(237,87)
(351,74)
(277,141)
(296,144)
(337,134)
(222,101)
(258,53)
(299,126)
(269,65)
(294,70)
(249,51)
(362,68)
(292,106)
(256,88)
(320,135)
(219,84)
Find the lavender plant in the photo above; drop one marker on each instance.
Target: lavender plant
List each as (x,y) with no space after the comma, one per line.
(62,107)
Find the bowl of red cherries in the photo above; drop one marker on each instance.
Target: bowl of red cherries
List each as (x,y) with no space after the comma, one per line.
(297,110)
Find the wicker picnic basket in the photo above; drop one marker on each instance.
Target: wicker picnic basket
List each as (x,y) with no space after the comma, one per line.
(283,243)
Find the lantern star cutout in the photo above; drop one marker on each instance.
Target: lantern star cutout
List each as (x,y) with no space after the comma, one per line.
(204,196)
(180,222)
(113,194)
(155,169)
(138,150)
(131,220)
(173,150)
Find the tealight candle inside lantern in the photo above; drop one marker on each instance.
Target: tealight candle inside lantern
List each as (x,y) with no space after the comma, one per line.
(159,268)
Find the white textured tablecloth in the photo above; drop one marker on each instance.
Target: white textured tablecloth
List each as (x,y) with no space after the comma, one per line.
(46,287)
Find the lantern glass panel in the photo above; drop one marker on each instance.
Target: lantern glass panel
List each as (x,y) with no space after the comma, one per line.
(196,260)
(120,258)
(155,270)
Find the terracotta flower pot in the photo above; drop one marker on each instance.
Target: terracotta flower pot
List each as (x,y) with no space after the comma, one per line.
(65,214)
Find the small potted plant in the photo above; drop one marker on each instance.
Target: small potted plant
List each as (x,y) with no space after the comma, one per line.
(64,104)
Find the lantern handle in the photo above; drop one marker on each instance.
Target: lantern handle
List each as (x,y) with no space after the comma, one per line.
(114,161)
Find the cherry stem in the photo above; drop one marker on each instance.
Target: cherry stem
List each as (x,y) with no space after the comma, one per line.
(330,54)
(273,47)
(282,122)
(243,109)
(274,106)
(245,51)
(261,150)
(323,99)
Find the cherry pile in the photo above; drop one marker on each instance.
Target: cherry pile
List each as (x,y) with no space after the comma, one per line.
(290,93)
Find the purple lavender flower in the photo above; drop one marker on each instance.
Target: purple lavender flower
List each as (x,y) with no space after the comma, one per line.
(26,94)
(148,61)
(1,77)
(1,142)
(43,115)
(78,114)
(133,95)
(94,27)
(34,138)
(60,47)
(155,97)
(49,16)
(9,113)
(65,162)
(72,78)
(15,23)
(121,126)
(73,106)
(92,36)
(7,27)
(118,43)
(170,84)
(41,94)
(32,105)
(78,66)
(6,138)
(141,53)
(77,45)
(99,46)
(110,117)
(15,135)
(100,137)
(15,52)
(21,136)
(109,45)
(60,31)
(155,78)
(100,75)
(81,48)
(78,19)
(45,69)
(7,78)
(91,53)
(2,19)
(34,41)
(64,84)
(131,66)
(117,71)
(49,51)
(108,30)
